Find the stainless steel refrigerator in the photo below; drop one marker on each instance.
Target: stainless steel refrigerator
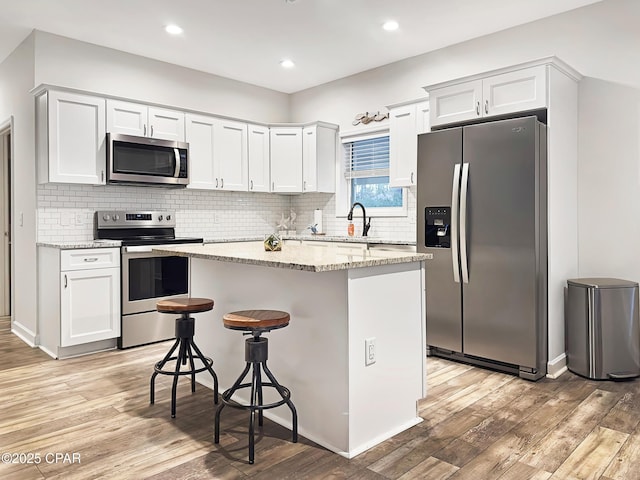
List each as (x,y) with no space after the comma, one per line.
(482,220)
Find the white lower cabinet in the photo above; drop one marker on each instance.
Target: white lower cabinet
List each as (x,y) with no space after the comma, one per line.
(78,300)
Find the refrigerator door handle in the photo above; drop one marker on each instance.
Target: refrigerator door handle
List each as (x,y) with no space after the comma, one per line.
(463,223)
(455,196)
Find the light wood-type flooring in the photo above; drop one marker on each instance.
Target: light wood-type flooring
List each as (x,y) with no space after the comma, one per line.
(477,425)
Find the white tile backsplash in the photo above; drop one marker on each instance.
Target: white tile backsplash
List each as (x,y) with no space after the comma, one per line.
(66,212)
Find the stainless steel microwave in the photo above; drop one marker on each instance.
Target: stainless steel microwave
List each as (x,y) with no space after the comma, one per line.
(147,161)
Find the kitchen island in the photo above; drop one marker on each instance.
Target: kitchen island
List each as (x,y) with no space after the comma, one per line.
(337,301)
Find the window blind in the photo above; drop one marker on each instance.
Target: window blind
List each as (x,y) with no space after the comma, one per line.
(367,158)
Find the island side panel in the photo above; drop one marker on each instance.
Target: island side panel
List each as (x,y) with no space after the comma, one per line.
(309,356)
(385,303)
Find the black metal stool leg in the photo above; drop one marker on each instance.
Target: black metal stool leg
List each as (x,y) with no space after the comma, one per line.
(192,364)
(226,396)
(209,369)
(179,360)
(285,394)
(259,388)
(159,366)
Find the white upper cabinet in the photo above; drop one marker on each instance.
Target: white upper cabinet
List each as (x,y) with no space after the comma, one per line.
(137,119)
(286,159)
(218,157)
(509,92)
(71,138)
(259,163)
(230,155)
(319,158)
(406,122)
(200,133)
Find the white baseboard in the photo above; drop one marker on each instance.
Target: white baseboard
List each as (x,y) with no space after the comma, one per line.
(557,366)
(24,334)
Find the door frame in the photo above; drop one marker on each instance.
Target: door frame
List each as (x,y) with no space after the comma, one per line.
(6,202)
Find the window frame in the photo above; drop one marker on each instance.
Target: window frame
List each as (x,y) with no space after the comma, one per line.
(343,184)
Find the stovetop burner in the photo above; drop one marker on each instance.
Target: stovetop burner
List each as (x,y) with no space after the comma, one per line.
(138,228)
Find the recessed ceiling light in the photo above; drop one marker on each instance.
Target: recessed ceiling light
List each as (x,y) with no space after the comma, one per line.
(287,63)
(390,26)
(173,29)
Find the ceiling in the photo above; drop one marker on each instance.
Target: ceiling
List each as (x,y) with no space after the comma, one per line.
(246,39)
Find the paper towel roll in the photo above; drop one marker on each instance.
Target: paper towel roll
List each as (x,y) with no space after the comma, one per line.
(317,219)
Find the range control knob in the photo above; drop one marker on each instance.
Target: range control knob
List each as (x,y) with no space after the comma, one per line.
(106,217)
(116,217)
(159,218)
(168,217)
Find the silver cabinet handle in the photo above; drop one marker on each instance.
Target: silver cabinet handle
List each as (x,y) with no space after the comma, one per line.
(151,131)
(455,199)
(273,186)
(90,259)
(478,108)
(102,175)
(222,183)
(216,183)
(251,187)
(486,106)
(304,185)
(144,130)
(65,280)
(412,177)
(463,223)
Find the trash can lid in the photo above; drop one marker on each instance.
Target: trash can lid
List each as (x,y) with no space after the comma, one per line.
(601,283)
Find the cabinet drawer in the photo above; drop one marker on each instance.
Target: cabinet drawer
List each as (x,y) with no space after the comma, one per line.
(83,259)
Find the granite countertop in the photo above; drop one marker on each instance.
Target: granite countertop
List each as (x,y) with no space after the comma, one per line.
(82,244)
(296,257)
(320,238)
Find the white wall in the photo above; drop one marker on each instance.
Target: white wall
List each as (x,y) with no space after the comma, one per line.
(16,79)
(65,62)
(609,180)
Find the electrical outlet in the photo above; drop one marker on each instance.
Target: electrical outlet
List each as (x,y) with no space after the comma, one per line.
(369,350)
(79,219)
(216,218)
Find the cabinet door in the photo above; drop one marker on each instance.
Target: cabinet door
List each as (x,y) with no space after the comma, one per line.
(259,163)
(127,118)
(515,91)
(200,136)
(286,159)
(309,159)
(89,306)
(77,137)
(403,146)
(166,124)
(422,117)
(230,154)
(455,103)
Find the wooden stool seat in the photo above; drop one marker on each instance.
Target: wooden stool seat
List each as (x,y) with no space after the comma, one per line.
(256,319)
(185,305)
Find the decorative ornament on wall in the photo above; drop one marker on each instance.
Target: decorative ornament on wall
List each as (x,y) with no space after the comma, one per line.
(367,117)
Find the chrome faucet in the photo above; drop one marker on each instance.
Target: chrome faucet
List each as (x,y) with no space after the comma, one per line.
(365,225)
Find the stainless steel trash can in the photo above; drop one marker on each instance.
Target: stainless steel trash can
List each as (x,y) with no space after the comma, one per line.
(602,328)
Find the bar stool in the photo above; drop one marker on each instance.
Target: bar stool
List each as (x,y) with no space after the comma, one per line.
(185,329)
(255,323)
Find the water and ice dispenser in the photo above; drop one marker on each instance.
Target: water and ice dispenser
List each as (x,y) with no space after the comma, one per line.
(437,225)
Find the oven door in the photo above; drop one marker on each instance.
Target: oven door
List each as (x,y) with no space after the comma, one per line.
(148,277)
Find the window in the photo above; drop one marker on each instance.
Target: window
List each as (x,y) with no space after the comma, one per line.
(366,171)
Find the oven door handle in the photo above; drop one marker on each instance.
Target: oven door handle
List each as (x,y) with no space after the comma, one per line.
(142,248)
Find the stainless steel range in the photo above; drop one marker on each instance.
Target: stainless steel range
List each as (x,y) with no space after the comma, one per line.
(146,276)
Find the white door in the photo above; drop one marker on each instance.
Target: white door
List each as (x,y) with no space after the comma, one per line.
(230,154)
(5,231)
(403,146)
(77,138)
(89,305)
(259,163)
(286,159)
(200,136)
(515,91)
(309,159)
(456,103)
(166,124)
(126,118)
